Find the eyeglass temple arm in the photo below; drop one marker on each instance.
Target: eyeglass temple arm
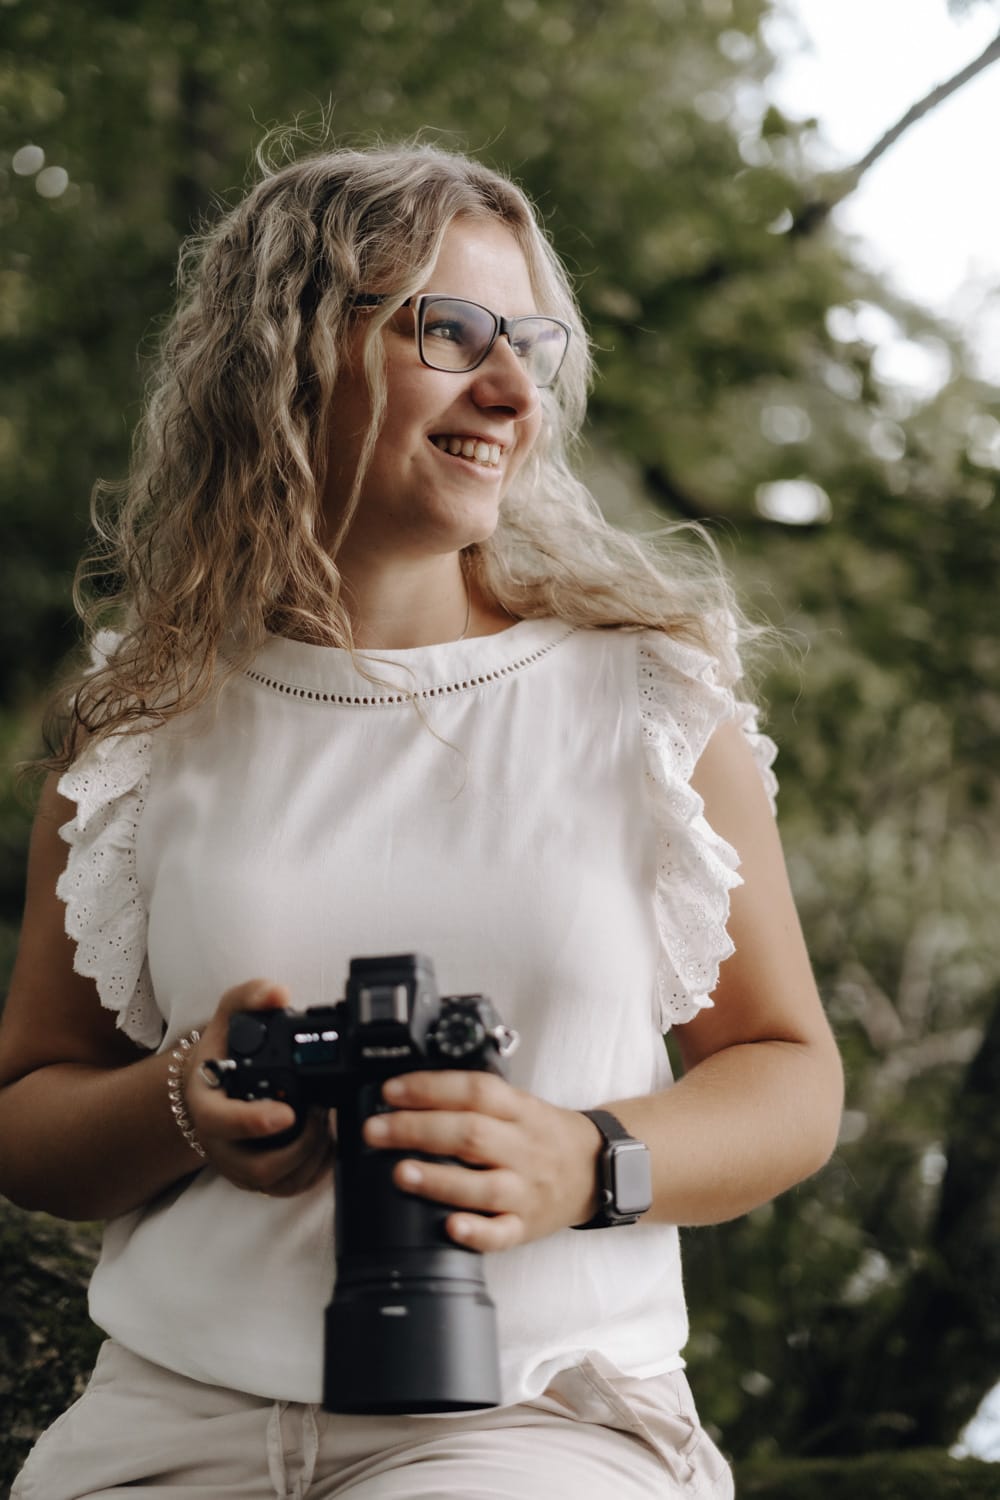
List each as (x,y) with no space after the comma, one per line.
(375,299)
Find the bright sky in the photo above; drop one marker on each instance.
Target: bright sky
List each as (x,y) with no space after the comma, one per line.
(929,210)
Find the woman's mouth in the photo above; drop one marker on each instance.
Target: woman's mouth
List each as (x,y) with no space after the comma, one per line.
(477,450)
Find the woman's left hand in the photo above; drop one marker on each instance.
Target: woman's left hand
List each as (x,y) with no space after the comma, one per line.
(531,1165)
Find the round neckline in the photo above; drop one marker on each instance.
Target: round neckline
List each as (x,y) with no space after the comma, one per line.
(331,674)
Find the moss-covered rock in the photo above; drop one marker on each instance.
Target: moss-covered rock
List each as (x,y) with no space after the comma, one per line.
(47,1342)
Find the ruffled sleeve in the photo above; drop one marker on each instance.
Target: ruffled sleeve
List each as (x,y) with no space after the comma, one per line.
(105,911)
(685,695)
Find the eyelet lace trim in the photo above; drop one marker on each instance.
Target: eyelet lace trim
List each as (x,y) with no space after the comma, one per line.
(380,700)
(105,912)
(684,697)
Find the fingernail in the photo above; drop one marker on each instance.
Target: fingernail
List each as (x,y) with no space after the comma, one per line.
(410,1173)
(394,1089)
(377,1128)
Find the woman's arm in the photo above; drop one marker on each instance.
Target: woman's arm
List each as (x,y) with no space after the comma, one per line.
(86,1129)
(757,1110)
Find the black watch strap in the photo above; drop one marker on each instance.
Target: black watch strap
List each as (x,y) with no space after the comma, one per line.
(608,1124)
(624,1177)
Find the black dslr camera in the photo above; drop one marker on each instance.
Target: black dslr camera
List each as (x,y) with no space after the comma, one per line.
(411,1327)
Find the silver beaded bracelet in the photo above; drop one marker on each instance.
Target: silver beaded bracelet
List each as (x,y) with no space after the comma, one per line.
(175,1089)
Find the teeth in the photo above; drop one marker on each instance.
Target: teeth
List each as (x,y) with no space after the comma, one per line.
(476,449)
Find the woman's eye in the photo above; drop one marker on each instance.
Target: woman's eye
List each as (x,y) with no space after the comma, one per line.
(450,330)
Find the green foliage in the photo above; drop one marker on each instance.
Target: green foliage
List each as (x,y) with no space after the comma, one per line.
(915,1476)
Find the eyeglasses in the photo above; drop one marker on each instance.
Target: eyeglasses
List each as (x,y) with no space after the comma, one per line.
(456,335)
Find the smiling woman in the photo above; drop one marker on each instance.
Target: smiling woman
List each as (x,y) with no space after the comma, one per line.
(384,681)
(448,448)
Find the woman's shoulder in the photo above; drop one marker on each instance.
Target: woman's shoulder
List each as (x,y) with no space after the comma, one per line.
(689,690)
(99,799)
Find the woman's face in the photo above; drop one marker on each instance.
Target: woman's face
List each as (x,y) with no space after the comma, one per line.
(416,497)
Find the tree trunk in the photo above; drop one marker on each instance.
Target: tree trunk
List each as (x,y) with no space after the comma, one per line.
(950,1317)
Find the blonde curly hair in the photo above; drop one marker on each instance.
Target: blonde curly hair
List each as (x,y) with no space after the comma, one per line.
(217,536)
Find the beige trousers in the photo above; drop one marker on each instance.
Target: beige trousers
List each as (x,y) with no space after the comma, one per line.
(141,1432)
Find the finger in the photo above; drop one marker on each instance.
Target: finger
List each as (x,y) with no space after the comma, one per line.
(489,1192)
(316,1164)
(283,1171)
(455,1088)
(253,994)
(481,1139)
(485,1235)
(218,1118)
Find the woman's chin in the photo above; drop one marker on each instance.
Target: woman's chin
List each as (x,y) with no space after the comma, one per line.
(466,527)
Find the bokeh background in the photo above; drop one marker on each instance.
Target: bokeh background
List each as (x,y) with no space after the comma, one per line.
(755,374)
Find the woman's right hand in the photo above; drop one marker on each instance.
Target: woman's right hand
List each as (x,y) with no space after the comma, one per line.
(228,1128)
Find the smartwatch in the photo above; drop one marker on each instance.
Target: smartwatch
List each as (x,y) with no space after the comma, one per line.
(624,1175)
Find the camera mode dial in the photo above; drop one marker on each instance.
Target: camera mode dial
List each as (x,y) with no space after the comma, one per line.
(459,1033)
(246,1034)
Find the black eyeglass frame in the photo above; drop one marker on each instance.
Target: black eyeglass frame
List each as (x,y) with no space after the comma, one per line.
(502,327)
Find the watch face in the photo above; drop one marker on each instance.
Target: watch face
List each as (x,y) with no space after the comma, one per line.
(631,1178)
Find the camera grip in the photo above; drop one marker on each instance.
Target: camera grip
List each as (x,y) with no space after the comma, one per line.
(257,1070)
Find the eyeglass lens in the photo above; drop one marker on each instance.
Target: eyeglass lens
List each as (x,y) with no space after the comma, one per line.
(456,335)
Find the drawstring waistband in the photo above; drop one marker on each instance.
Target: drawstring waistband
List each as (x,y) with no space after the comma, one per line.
(292,1445)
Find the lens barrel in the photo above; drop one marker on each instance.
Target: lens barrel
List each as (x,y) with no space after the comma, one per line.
(417,1337)
(411,1327)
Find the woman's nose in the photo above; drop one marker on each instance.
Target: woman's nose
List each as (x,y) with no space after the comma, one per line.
(503,380)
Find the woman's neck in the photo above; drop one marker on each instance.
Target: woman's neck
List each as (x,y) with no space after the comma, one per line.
(424,603)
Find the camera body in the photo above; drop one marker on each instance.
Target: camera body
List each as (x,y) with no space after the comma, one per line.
(391,1021)
(411,1327)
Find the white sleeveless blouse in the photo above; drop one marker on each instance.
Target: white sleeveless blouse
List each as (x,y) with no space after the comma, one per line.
(525,818)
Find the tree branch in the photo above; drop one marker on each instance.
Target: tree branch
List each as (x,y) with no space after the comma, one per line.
(813,214)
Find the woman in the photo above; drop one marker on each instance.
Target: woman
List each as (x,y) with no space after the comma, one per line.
(387,682)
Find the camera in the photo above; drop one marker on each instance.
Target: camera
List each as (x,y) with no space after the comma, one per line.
(411,1327)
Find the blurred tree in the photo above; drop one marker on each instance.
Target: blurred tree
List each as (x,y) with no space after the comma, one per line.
(751,373)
